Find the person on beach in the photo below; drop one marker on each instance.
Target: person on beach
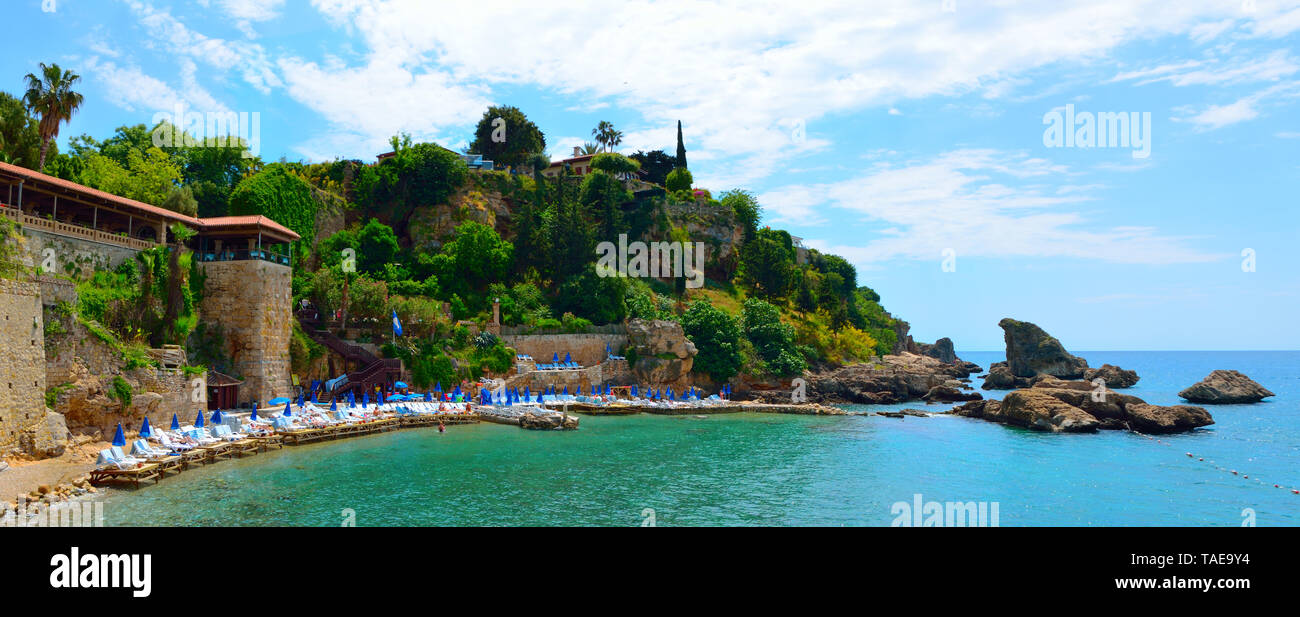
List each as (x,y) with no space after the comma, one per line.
(441,427)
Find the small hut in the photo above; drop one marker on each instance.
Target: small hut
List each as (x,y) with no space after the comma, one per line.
(223,391)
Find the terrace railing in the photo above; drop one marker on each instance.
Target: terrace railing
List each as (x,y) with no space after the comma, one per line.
(243,255)
(74,231)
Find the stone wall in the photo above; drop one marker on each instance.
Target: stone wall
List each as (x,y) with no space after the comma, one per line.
(22,363)
(614,373)
(75,256)
(585,349)
(251,301)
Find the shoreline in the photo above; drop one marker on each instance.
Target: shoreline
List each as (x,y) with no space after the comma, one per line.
(67,476)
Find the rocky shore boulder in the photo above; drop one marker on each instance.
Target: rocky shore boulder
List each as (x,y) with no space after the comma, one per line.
(1114,376)
(47,438)
(896,378)
(663,353)
(1031,351)
(949,394)
(1225,387)
(942,350)
(547,422)
(1001,378)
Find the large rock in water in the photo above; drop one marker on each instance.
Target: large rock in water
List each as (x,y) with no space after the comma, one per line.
(1042,411)
(1114,376)
(1174,419)
(894,379)
(547,421)
(1073,406)
(1031,351)
(1225,387)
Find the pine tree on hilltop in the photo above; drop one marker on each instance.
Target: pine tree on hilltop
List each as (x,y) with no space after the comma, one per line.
(681,148)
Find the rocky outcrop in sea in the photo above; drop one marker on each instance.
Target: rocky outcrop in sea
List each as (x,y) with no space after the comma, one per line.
(1224,388)
(1033,354)
(1062,406)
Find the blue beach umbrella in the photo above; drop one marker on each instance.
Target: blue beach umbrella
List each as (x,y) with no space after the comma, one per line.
(300,401)
(334,405)
(279,400)
(287,411)
(555,358)
(145,431)
(216,417)
(401,385)
(567,359)
(428,397)
(437,387)
(381,397)
(253,416)
(566,390)
(176,423)
(119,439)
(527,393)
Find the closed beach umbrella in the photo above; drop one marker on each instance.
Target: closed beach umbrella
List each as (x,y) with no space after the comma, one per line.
(437,387)
(334,405)
(287,411)
(216,417)
(539,398)
(365,399)
(145,431)
(527,393)
(381,397)
(198,422)
(566,390)
(176,423)
(567,359)
(634,395)
(119,438)
(253,416)
(555,358)
(300,401)
(428,397)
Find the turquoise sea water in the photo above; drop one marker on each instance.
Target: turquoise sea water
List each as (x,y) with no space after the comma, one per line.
(774,470)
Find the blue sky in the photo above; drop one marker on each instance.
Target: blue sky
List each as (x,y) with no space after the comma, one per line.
(893,133)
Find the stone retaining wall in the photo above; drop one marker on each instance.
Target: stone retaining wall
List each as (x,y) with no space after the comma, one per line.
(585,349)
(22,363)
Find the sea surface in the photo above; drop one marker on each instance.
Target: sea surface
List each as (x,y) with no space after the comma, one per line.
(751,469)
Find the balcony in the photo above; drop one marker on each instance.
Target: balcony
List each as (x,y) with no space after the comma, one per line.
(74,231)
(242,255)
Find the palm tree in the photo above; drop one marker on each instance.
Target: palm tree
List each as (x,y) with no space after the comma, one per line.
(51,96)
(590,148)
(606,136)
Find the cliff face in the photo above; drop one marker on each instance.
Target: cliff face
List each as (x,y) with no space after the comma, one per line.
(81,370)
(432,225)
(714,226)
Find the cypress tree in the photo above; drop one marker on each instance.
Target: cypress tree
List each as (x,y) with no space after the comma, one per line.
(681,147)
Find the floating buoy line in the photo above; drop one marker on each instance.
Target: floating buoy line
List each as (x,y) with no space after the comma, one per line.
(1201,459)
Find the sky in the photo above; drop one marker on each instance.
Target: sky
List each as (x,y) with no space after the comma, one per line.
(923,140)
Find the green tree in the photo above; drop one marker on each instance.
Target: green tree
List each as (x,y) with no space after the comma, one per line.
(601,299)
(377,247)
(772,340)
(51,96)
(511,146)
(747,210)
(656,164)
(150,176)
(717,338)
(602,194)
(423,174)
(767,266)
(473,258)
(20,135)
(679,179)
(181,199)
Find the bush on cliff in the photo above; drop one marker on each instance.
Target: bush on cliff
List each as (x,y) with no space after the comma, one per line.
(773,340)
(279,195)
(717,340)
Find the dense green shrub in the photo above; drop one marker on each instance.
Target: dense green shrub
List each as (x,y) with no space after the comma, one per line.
(280,195)
(773,341)
(679,179)
(717,340)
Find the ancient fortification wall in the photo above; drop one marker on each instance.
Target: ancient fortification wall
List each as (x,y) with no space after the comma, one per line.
(251,301)
(22,363)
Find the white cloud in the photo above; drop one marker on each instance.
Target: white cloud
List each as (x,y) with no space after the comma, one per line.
(977,203)
(1241,110)
(132,89)
(1272,67)
(735,81)
(170,35)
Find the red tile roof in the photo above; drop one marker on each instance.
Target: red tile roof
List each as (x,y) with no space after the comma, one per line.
(131,204)
(122,202)
(249,220)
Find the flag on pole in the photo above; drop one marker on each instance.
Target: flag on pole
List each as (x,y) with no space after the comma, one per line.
(397,324)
